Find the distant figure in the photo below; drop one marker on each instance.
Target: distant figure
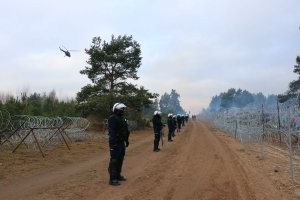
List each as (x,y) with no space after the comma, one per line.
(170,127)
(186,118)
(178,123)
(157,128)
(175,125)
(182,120)
(118,140)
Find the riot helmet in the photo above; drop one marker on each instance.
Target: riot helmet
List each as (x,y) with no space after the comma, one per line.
(119,108)
(156,112)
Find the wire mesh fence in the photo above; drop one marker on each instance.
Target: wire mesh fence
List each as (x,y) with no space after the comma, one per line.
(279,124)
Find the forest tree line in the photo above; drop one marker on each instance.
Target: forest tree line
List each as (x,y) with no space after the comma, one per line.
(238,98)
(49,105)
(36,104)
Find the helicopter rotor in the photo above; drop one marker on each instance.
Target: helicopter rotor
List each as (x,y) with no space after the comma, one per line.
(66,51)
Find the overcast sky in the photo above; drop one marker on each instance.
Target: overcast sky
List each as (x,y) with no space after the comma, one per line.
(197,47)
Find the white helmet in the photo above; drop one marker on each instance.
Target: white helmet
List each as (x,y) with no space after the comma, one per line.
(170,115)
(156,112)
(118,106)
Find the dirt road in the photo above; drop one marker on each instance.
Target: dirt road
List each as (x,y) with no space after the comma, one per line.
(199,164)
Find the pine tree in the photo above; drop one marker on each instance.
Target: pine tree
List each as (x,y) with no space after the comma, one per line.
(111,65)
(294,86)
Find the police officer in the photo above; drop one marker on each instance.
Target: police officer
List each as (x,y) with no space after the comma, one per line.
(157,128)
(178,122)
(182,120)
(175,125)
(170,127)
(118,141)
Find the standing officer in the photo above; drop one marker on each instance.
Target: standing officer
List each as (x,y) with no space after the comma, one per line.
(118,139)
(170,127)
(157,128)
(182,120)
(178,122)
(175,125)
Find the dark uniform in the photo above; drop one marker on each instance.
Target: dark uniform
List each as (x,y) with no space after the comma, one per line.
(178,123)
(170,127)
(183,121)
(157,128)
(118,141)
(175,125)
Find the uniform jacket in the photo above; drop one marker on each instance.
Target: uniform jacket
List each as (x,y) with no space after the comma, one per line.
(170,124)
(157,124)
(117,129)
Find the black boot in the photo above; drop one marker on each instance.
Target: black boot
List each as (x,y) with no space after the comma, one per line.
(113,172)
(114,182)
(155,148)
(120,177)
(170,137)
(156,142)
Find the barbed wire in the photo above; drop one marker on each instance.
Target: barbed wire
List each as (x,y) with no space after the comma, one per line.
(37,132)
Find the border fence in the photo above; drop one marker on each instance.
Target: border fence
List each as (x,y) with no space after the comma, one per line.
(279,124)
(39,132)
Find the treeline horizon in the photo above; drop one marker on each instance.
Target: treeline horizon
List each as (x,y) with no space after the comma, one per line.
(36,104)
(238,98)
(49,105)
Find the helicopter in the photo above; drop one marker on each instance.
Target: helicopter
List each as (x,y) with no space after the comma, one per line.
(66,51)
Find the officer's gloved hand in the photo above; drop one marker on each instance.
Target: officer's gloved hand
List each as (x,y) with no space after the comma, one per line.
(127,143)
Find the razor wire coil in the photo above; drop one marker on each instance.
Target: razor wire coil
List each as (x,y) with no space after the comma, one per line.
(46,130)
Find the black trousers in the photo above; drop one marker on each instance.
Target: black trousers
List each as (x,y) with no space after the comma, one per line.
(170,134)
(156,140)
(117,153)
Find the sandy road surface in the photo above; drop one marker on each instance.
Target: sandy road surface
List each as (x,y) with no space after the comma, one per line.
(199,164)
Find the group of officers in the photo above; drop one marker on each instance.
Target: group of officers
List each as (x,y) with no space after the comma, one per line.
(175,123)
(119,137)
